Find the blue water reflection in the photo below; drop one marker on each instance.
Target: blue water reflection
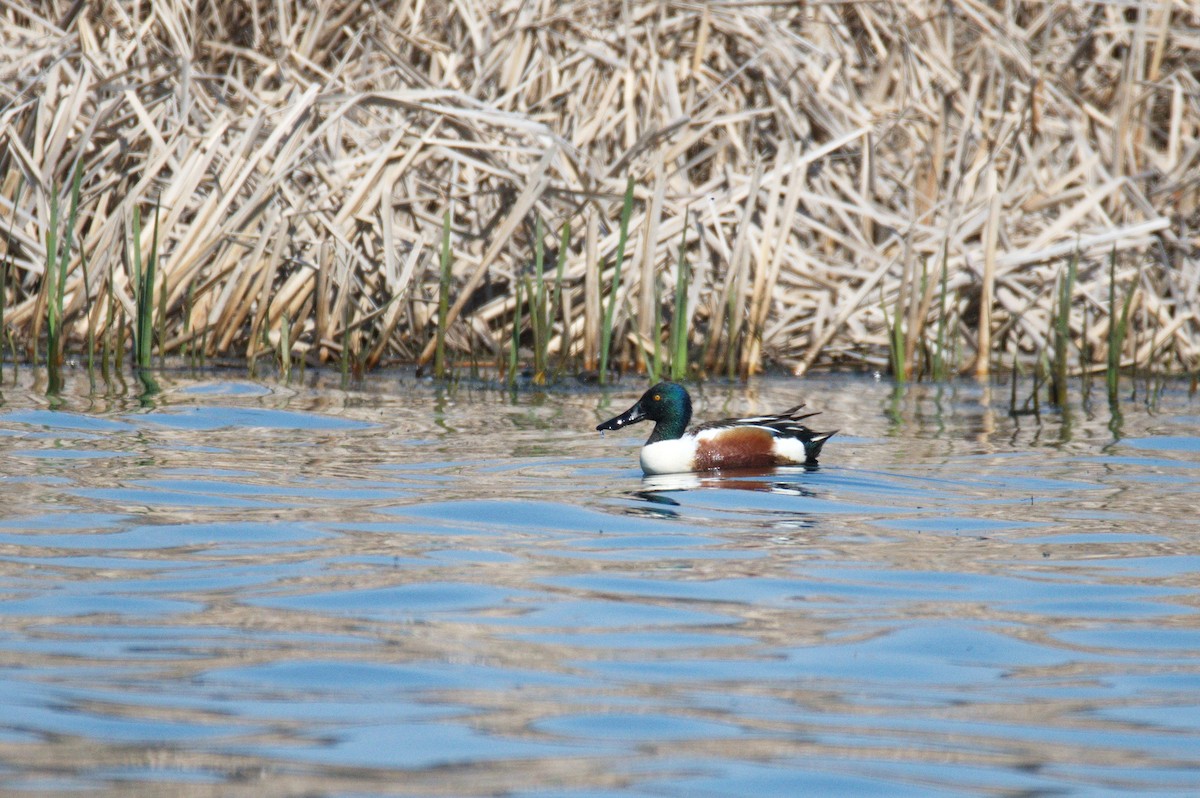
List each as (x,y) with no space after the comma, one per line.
(399,588)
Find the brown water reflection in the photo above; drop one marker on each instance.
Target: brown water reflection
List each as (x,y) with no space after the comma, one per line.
(257,589)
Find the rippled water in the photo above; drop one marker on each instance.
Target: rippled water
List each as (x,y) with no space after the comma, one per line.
(257,589)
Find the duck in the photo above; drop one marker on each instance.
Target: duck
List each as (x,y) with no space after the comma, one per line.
(731,443)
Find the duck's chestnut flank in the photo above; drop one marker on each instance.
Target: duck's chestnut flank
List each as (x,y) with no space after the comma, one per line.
(748,447)
(752,442)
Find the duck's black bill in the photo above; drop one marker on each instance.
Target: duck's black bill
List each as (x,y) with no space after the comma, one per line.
(630,416)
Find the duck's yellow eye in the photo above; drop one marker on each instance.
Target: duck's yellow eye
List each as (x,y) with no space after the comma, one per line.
(657,398)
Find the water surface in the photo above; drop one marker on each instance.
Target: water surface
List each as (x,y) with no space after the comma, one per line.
(245,588)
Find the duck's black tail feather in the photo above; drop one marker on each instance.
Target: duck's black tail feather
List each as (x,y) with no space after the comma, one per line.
(813,444)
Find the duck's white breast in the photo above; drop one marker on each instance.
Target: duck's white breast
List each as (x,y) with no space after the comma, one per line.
(669,457)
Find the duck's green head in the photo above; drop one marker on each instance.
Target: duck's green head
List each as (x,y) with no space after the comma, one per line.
(667,404)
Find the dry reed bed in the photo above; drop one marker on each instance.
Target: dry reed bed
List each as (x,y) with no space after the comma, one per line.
(829,160)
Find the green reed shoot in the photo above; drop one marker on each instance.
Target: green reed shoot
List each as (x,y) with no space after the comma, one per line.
(49,280)
(439,352)
(515,341)
(1085,358)
(91,321)
(534,325)
(559,304)
(679,321)
(285,348)
(144,280)
(656,359)
(732,307)
(538,315)
(162,319)
(938,368)
(347,338)
(87,288)
(899,366)
(120,342)
(189,304)
(1118,327)
(136,283)
(344,360)
(895,339)
(1041,369)
(4,292)
(607,322)
(1012,387)
(1114,356)
(56,277)
(110,312)
(5,268)
(1062,331)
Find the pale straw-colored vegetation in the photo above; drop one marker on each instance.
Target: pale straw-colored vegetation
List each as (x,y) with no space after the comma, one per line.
(840,168)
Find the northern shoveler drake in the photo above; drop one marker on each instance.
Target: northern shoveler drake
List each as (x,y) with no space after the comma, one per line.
(753,442)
